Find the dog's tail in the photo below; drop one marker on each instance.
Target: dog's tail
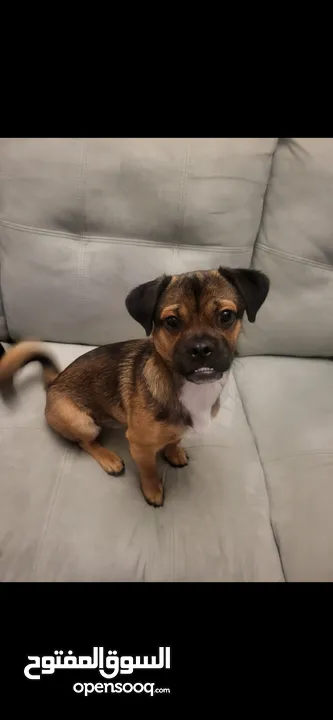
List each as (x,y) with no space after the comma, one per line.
(22,354)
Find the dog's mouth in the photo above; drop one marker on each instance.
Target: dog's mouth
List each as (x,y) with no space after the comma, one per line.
(204,375)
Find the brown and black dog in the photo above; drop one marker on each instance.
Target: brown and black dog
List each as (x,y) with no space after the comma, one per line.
(157,387)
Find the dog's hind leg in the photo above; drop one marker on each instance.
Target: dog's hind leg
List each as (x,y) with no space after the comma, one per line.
(109,461)
(76,425)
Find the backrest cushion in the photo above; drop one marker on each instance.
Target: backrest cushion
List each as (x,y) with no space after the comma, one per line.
(3,325)
(295,248)
(82,221)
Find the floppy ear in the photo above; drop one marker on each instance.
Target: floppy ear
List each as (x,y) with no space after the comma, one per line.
(141,302)
(252,285)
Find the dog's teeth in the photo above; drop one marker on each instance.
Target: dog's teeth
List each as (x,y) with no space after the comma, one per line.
(203,370)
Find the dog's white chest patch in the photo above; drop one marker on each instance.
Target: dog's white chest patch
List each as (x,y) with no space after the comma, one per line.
(199,400)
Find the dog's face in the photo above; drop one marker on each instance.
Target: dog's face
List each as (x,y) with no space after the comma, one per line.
(195,318)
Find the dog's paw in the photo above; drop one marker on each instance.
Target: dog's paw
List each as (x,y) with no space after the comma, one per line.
(112,463)
(176,456)
(154,496)
(117,473)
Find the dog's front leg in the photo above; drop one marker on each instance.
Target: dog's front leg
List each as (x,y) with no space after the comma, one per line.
(175,455)
(145,458)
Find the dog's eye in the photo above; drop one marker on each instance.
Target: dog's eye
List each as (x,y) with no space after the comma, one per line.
(227,317)
(172,322)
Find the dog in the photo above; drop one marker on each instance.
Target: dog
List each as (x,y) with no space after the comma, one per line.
(158,387)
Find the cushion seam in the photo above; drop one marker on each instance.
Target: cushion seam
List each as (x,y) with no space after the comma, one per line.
(305,453)
(264,475)
(48,516)
(293,258)
(3,301)
(112,239)
(264,200)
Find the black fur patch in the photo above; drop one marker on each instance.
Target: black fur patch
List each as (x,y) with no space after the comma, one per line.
(251,285)
(195,287)
(175,415)
(142,301)
(43,360)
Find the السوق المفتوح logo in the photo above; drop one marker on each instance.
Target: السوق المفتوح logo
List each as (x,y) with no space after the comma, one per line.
(108,665)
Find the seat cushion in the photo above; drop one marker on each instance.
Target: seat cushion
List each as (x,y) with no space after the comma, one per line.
(288,403)
(63,519)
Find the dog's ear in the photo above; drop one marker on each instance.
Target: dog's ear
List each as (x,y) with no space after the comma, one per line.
(252,285)
(142,301)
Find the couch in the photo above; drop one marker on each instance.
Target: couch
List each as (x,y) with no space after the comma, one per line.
(82,221)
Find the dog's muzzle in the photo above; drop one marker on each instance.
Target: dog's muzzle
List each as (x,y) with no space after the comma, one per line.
(202,358)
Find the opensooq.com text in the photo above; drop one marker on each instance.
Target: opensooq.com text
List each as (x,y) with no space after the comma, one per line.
(148,688)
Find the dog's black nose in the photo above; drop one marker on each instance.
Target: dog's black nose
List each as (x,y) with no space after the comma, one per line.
(200,348)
